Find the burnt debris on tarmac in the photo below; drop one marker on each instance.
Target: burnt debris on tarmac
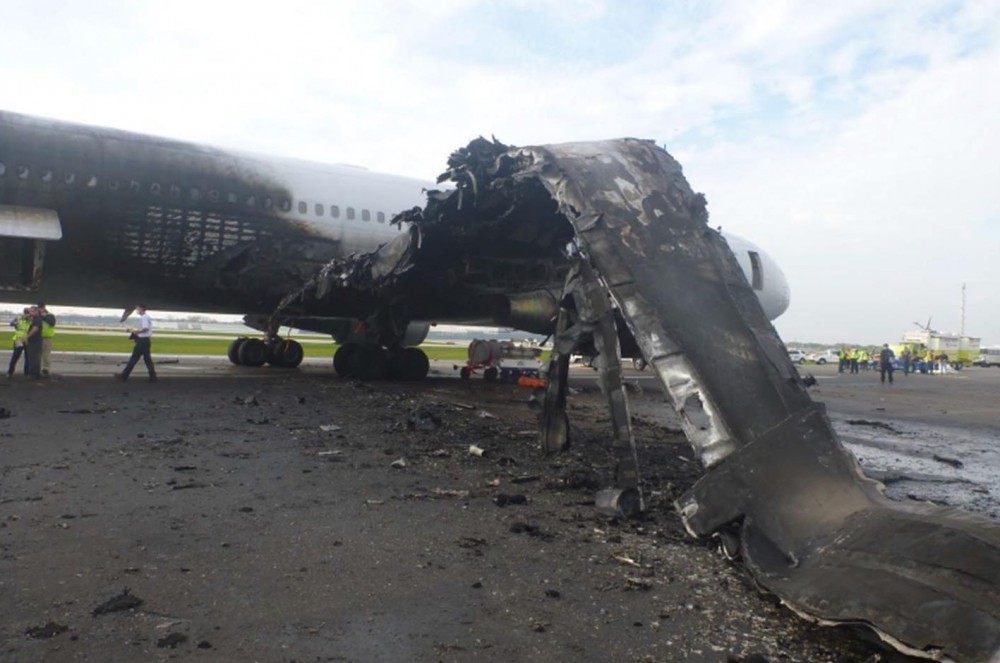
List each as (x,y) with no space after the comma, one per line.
(617,222)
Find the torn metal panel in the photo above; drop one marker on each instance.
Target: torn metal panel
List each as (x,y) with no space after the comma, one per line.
(811,528)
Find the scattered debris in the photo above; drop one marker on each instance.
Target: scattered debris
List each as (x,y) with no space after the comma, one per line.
(483,414)
(398,464)
(249,400)
(5,413)
(119,603)
(810,380)
(954,462)
(82,411)
(172,640)
(503,500)
(423,418)
(633,583)
(330,428)
(476,451)
(204,644)
(873,424)
(45,632)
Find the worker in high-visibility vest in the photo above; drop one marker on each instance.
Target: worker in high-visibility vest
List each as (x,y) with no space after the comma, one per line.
(863,359)
(20,324)
(853,356)
(48,334)
(929,360)
(842,357)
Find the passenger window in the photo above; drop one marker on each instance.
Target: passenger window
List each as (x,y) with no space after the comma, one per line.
(23,172)
(232,198)
(195,193)
(213,195)
(175,191)
(303,207)
(251,201)
(757,271)
(3,168)
(350,213)
(47,176)
(319,209)
(267,203)
(381,217)
(92,182)
(113,185)
(68,178)
(285,204)
(154,188)
(134,186)
(335,211)
(366,215)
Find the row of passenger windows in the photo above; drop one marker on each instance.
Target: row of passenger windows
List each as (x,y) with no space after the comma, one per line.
(196,194)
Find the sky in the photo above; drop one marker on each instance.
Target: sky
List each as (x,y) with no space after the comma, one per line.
(857,141)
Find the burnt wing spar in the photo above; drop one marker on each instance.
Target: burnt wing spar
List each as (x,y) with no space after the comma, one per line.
(629,239)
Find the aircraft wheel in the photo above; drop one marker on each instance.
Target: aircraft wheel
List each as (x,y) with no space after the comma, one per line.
(286,354)
(342,359)
(368,362)
(253,352)
(411,364)
(465,373)
(490,374)
(234,350)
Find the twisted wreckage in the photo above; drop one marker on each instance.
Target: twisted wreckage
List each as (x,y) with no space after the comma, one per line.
(631,242)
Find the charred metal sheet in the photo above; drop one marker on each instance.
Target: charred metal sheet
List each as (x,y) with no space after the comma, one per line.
(811,528)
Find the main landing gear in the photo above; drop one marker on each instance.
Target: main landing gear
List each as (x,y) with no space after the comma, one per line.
(278,352)
(371,362)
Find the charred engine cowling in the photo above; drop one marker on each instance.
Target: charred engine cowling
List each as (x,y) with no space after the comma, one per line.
(535,312)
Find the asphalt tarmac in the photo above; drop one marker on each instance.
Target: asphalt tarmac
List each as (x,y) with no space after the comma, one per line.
(273,515)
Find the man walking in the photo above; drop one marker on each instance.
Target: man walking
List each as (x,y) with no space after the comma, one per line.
(885,360)
(143,344)
(906,361)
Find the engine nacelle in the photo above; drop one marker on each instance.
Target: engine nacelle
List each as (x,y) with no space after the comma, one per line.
(415,333)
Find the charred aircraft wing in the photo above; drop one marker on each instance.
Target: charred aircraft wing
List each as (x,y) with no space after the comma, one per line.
(809,525)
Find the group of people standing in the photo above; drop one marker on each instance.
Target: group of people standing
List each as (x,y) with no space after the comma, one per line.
(857,359)
(34,331)
(861,359)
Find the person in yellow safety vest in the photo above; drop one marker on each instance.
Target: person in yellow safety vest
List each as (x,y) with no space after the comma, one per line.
(48,333)
(853,356)
(929,360)
(20,325)
(842,357)
(863,359)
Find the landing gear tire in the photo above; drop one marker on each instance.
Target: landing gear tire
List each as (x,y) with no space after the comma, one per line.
(286,354)
(342,359)
(490,374)
(253,352)
(234,350)
(465,373)
(368,362)
(411,364)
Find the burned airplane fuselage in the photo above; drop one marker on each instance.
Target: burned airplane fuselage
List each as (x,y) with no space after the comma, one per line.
(177,225)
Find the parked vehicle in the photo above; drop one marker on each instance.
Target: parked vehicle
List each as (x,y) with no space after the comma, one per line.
(797,356)
(827,356)
(988,357)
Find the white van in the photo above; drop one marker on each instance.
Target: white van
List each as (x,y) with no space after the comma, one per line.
(989,357)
